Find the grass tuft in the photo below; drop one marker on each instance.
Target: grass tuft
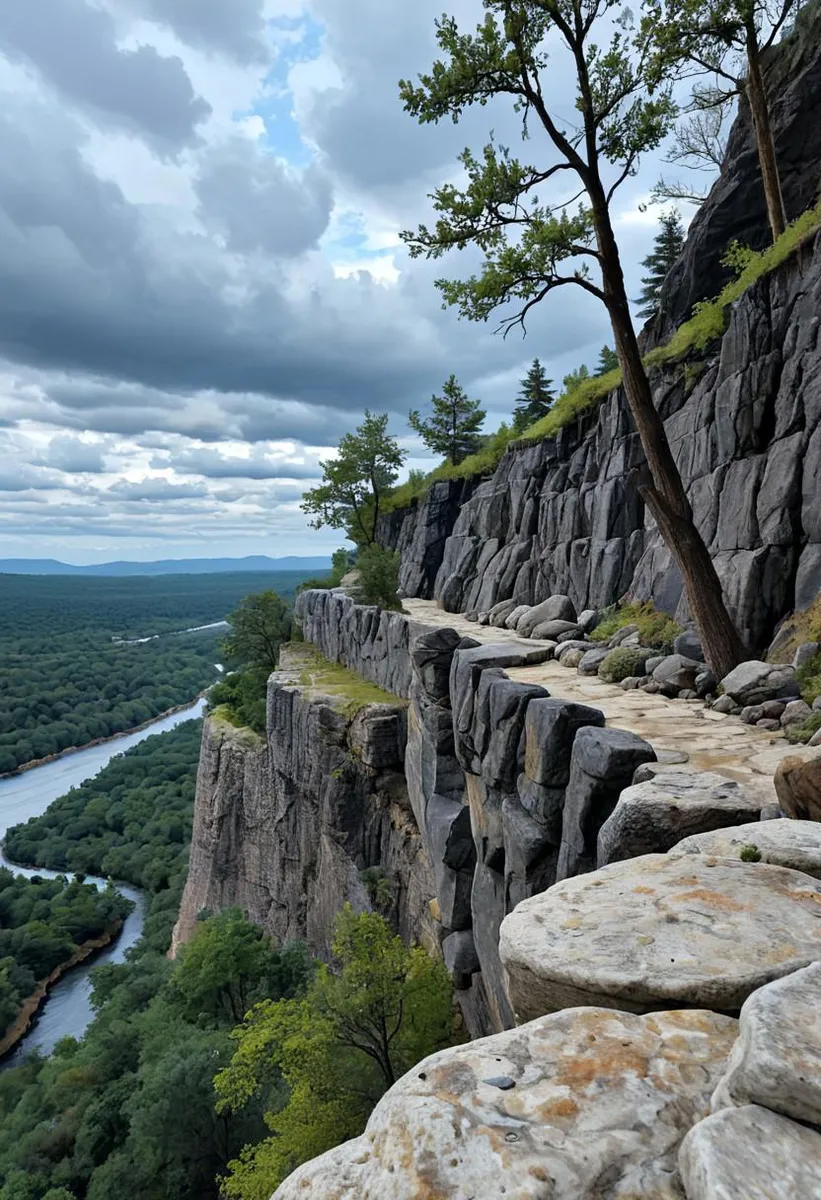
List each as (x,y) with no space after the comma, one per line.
(656,629)
(336,681)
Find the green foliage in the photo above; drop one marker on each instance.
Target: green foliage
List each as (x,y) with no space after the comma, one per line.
(338,1049)
(43,922)
(802,733)
(535,398)
(355,482)
(576,378)
(622,663)
(749,853)
(483,462)
(132,821)
(332,679)
(666,250)
(572,404)
(809,678)
(378,577)
(453,427)
(259,626)
(608,361)
(342,561)
(656,629)
(379,887)
(241,698)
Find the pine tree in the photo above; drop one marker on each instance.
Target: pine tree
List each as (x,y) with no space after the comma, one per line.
(608,361)
(576,378)
(666,249)
(535,398)
(453,429)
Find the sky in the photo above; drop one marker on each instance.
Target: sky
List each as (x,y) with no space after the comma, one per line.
(202,285)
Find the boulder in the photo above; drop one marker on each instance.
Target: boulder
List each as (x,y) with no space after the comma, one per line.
(552,1108)
(653,816)
(565,647)
(816,704)
(725,704)
(753,682)
(677,671)
(688,644)
(798,787)
(592,660)
(620,635)
(654,662)
(555,608)
(551,630)
(588,620)
(785,843)
(500,612)
(659,932)
(602,765)
(750,1153)
(573,657)
(705,684)
(776,1061)
(769,724)
(550,731)
(795,713)
(752,714)
(515,615)
(773,710)
(815,740)
(805,653)
(460,957)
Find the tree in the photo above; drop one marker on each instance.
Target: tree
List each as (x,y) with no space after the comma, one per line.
(608,361)
(337,1050)
(378,582)
(453,429)
(532,248)
(366,465)
(535,398)
(700,144)
(666,249)
(259,626)
(725,39)
(576,378)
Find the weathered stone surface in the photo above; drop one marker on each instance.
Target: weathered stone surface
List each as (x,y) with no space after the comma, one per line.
(432,655)
(602,764)
(555,608)
(550,730)
(688,644)
(726,704)
(754,682)
(805,653)
(678,672)
(653,816)
(592,660)
(784,842)
(660,931)
(460,957)
(748,1152)
(552,629)
(572,658)
(795,713)
(500,612)
(512,620)
(588,619)
(798,787)
(776,1061)
(552,1108)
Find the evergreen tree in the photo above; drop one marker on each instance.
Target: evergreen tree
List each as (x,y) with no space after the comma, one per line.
(608,360)
(535,399)
(576,378)
(453,429)
(666,249)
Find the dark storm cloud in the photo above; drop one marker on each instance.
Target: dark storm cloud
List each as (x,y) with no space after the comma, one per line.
(232,27)
(72,43)
(244,194)
(213,465)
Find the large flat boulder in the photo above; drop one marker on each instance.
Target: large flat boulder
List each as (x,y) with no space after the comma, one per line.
(660,932)
(550,1109)
(754,682)
(652,816)
(555,608)
(776,1061)
(785,843)
(750,1153)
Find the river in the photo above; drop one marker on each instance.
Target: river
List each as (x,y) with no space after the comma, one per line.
(68,1007)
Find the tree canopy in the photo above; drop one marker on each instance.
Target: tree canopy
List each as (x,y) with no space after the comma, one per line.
(666,249)
(453,428)
(535,397)
(356,480)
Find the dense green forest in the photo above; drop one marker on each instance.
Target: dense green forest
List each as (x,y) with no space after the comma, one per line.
(68,679)
(42,923)
(130,822)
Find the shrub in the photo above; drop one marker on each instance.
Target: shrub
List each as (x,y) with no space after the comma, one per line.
(750,853)
(378,580)
(656,629)
(808,678)
(622,663)
(803,732)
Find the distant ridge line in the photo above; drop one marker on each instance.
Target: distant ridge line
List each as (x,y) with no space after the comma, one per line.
(166,566)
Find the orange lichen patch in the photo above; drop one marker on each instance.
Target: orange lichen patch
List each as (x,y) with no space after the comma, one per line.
(539,1173)
(562,1106)
(713,899)
(611,1060)
(641,890)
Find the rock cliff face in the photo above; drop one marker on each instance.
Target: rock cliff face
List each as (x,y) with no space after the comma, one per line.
(564,516)
(286,827)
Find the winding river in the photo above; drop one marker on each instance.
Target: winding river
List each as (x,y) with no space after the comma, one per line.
(68,1007)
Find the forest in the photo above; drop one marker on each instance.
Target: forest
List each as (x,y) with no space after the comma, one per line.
(42,924)
(73,670)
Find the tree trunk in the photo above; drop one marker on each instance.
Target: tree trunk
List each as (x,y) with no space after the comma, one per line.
(757,96)
(666,498)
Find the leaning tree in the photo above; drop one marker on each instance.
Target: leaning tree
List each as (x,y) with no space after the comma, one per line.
(532,247)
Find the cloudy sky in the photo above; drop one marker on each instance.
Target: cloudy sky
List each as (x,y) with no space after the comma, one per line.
(201,281)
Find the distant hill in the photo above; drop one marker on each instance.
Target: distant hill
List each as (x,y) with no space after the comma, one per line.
(166,566)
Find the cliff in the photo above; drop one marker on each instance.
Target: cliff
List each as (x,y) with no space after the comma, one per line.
(564,515)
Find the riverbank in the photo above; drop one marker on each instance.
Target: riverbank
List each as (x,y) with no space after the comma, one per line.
(112,737)
(32,1005)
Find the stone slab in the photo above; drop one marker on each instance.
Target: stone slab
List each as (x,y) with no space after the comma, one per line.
(659,932)
(785,843)
(550,1109)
